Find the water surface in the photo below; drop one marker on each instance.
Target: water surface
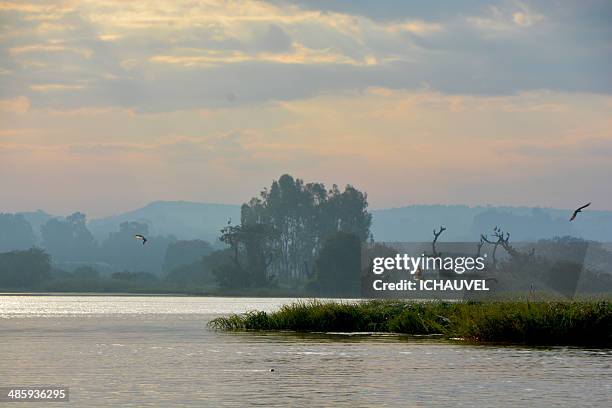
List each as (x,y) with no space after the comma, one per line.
(156,351)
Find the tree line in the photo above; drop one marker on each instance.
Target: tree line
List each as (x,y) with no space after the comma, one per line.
(279,242)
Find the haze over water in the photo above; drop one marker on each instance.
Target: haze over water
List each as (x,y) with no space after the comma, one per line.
(157,351)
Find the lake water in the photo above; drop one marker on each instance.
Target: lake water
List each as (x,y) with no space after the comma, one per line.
(156,351)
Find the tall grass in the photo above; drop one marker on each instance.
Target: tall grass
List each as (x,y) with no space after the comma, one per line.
(542,322)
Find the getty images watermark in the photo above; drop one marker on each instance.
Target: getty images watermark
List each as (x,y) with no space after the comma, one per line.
(399,270)
(419,266)
(472,270)
(420,270)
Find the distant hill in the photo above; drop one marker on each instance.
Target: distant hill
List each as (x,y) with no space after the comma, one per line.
(183,219)
(190,220)
(463,223)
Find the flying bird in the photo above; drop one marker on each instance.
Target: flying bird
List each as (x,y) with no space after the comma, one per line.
(142,238)
(578,210)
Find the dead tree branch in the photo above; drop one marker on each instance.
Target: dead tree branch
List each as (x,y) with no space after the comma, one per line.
(436,236)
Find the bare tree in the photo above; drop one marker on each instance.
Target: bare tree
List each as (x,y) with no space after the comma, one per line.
(479,246)
(436,236)
(500,239)
(503,239)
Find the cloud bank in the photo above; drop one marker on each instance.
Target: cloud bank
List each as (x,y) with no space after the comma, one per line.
(474,102)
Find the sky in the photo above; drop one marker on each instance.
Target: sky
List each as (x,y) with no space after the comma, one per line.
(106,105)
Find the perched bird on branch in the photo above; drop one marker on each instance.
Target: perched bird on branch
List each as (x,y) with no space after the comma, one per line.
(578,210)
(142,238)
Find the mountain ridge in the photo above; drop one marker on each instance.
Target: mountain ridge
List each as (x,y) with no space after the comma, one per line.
(198,220)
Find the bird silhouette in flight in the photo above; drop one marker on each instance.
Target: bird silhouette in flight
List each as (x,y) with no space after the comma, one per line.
(142,238)
(578,210)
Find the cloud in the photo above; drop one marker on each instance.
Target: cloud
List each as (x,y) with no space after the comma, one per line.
(416,27)
(449,145)
(574,148)
(20,104)
(56,87)
(38,48)
(157,99)
(49,28)
(273,38)
(298,55)
(194,54)
(23,7)
(526,19)
(176,149)
(500,19)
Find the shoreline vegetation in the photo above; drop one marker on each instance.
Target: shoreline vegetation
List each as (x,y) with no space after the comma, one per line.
(566,323)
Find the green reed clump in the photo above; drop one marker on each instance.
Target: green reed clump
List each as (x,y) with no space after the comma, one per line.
(576,322)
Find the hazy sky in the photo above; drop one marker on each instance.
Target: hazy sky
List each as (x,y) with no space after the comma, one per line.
(106,105)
